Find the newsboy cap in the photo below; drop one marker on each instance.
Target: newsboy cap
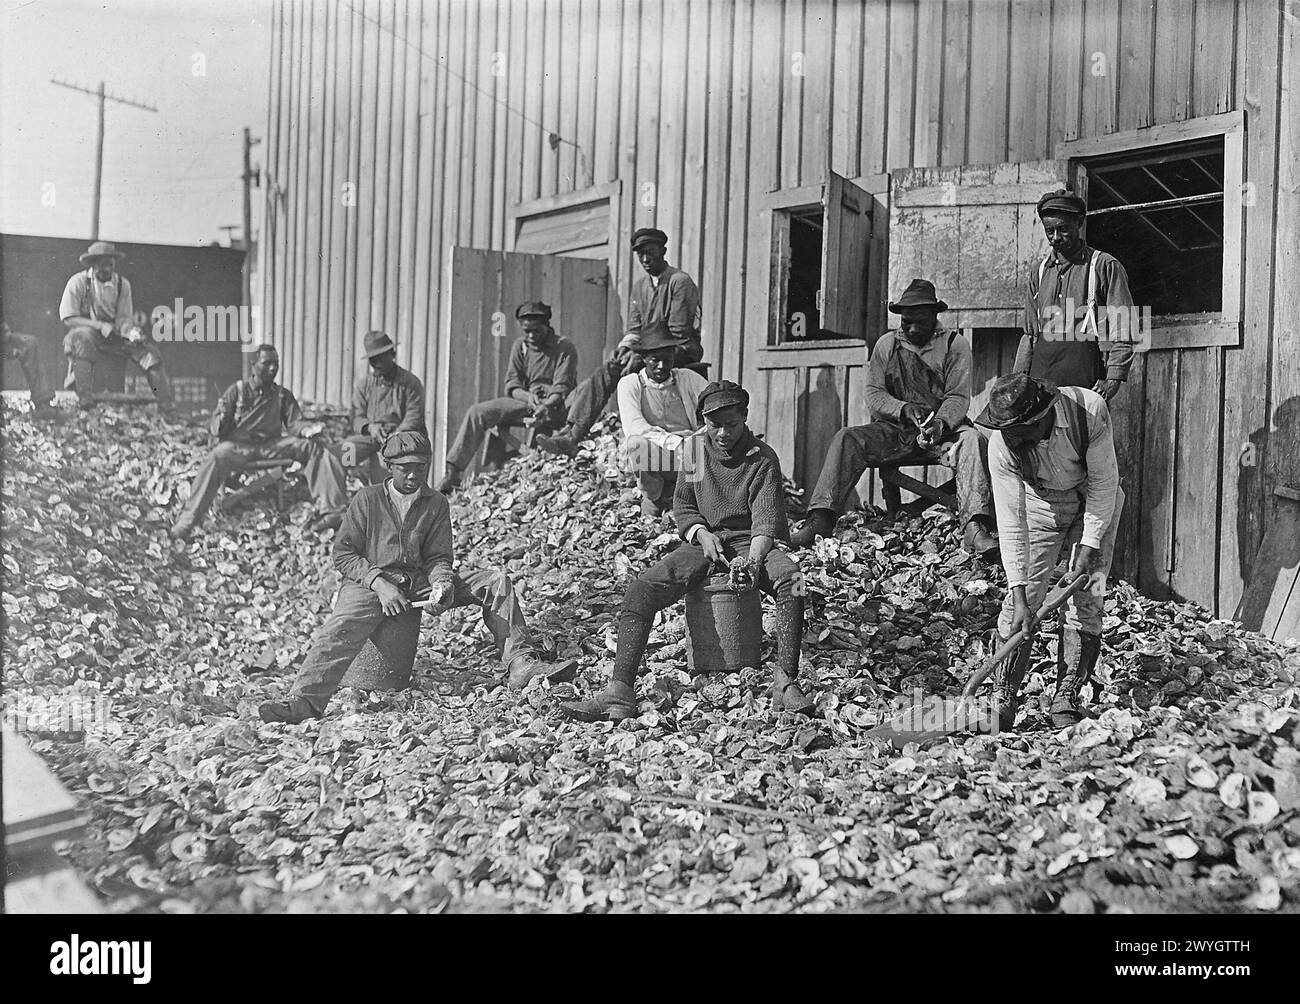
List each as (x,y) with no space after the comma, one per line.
(1017,399)
(377,343)
(648,235)
(719,394)
(100,249)
(533,308)
(1061,201)
(406,446)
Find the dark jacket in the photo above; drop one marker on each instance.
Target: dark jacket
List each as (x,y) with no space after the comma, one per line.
(369,541)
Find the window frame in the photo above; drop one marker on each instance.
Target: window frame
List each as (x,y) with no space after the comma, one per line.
(1186,331)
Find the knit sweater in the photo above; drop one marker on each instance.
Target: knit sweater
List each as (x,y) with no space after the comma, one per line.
(736,490)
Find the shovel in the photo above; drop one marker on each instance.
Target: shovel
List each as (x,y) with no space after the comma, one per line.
(936,717)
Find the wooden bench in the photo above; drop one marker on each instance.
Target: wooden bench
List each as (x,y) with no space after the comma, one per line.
(273,474)
(892,481)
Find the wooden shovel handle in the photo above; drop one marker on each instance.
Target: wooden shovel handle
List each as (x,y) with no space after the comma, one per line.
(1009,646)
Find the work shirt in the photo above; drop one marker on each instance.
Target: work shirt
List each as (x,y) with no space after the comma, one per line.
(660,413)
(670,298)
(398,397)
(935,376)
(374,538)
(248,413)
(736,490)
(1061,300)
(1059,470)
(553,369)
(86,296)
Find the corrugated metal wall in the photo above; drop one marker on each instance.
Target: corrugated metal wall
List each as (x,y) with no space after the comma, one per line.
(445,113)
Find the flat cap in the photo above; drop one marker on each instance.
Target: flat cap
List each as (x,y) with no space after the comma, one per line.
(1061,201)
(720,394)
(648,235)
(533,308)
(406,446)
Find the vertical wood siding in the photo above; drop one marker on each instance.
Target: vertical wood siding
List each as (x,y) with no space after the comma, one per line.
(700,108)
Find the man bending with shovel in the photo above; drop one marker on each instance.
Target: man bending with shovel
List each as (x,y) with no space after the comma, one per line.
(1055,484)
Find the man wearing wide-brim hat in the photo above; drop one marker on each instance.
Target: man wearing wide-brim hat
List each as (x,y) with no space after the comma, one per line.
(100,317)
(1055,484)
(394,549)
(657,407)
(918,391)
(1072,292)
(385,399)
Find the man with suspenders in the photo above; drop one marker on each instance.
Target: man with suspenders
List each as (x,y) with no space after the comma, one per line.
(1066,330)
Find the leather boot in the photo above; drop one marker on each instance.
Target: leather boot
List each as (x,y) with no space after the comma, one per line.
(526,667)
(786,694)
(820,523)
(618,700)
(978,540)
(1007,678)
(1076,657)
(292,711)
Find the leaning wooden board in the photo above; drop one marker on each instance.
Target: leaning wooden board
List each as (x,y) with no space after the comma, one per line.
(37,810)
(1271,603)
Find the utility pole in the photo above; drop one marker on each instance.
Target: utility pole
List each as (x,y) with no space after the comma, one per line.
(251,178)
(103,96)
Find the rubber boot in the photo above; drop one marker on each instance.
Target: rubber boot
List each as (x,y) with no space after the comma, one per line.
(618,700)
(786,694)
(1076,657)
(820,523)
(1008,676)
(526,667)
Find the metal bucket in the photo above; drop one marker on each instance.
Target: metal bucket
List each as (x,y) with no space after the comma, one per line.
(386,661)
(724,628)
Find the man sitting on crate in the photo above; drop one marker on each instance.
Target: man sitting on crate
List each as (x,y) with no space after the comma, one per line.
(385,400)
(663,295)
(395,547)
(1055,484)
(100,317)
(918,381)
(657,408)
(256,419)
(542,371)
(730,508)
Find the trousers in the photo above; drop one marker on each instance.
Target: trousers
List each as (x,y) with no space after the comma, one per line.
(84,347)
(25,349)
(889,444)
(325,476)
(1055,523)
(357,613)
(675,575)
(477,421)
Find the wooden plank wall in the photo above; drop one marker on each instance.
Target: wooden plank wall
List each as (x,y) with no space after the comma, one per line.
(700,108)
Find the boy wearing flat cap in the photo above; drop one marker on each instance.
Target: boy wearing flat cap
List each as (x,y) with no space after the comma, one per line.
(1055,484)
(543,369)
(395,546)
(730,505)
(1066,312)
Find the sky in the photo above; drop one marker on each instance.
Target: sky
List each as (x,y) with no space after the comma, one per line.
(171,176)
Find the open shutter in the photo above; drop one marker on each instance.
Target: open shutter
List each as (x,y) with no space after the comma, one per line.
(974,232)
(845,241)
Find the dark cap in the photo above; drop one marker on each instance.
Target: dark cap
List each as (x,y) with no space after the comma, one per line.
(533,308)
(406,446)
(377,344)
(656,335)
(720,394)
(919,293)
(1061,201)
(648,235)
(1017,399)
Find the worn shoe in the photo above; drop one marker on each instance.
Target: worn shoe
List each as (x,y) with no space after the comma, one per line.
(560,445)
(1007,678)
(787,696)
(978,540)
(616,702)
(820,523)
(292,711)
(1077,656)
(525,668)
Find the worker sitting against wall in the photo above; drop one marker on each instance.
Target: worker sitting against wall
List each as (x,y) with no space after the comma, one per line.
(100,317)
(1055,484)
(663,295)
(395,548)
(257,419)
(542,370)
(918,391)
(657,409)
(731,506)
(25,349)
(385,399)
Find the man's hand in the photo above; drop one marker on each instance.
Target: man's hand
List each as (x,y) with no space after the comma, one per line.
(711,545)
(914,414)
(1108,388)
(933,431)
(379,431)
(311,429)
(391,599)
(105,328)
(439,597)
(540,397)
(1022,617)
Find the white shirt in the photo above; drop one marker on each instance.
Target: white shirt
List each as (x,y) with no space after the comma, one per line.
(631,391)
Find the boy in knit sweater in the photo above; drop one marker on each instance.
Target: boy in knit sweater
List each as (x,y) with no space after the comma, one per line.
(728,504)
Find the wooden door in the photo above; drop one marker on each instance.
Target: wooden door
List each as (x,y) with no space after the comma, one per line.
(486,288)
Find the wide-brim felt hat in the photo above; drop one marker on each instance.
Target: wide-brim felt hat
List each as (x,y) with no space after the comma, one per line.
(377,343)
(100,249)
(1018,399)
(919,293)
(406,446)
(657,336)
